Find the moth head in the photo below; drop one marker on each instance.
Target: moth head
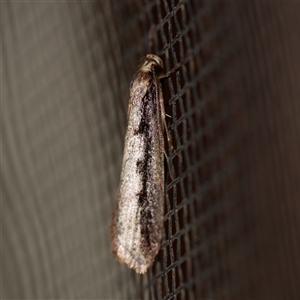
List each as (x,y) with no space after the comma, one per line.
(152,62)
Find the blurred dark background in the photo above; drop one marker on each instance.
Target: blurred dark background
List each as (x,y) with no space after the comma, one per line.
(232,208)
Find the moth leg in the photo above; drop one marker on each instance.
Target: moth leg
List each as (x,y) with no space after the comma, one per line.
(163,118)
(169,138)
(171,171)
(174,69)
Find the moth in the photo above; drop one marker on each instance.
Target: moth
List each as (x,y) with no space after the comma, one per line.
(137,221)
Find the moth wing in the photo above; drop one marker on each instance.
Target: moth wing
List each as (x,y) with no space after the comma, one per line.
(138,219)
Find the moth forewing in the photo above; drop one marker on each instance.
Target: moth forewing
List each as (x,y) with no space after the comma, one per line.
(137,222)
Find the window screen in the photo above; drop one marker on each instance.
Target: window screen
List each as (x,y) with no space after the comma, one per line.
(231,225)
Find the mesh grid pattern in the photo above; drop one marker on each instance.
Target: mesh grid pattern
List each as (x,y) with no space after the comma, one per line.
(231,223)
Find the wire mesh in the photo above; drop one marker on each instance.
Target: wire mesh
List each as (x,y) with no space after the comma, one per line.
(231,221)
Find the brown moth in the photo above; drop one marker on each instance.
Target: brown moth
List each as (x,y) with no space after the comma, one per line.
(137,222)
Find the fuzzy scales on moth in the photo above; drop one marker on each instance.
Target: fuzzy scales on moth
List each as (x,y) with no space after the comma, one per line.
(136,226)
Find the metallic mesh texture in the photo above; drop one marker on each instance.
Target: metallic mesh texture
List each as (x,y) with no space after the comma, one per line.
(232,202)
